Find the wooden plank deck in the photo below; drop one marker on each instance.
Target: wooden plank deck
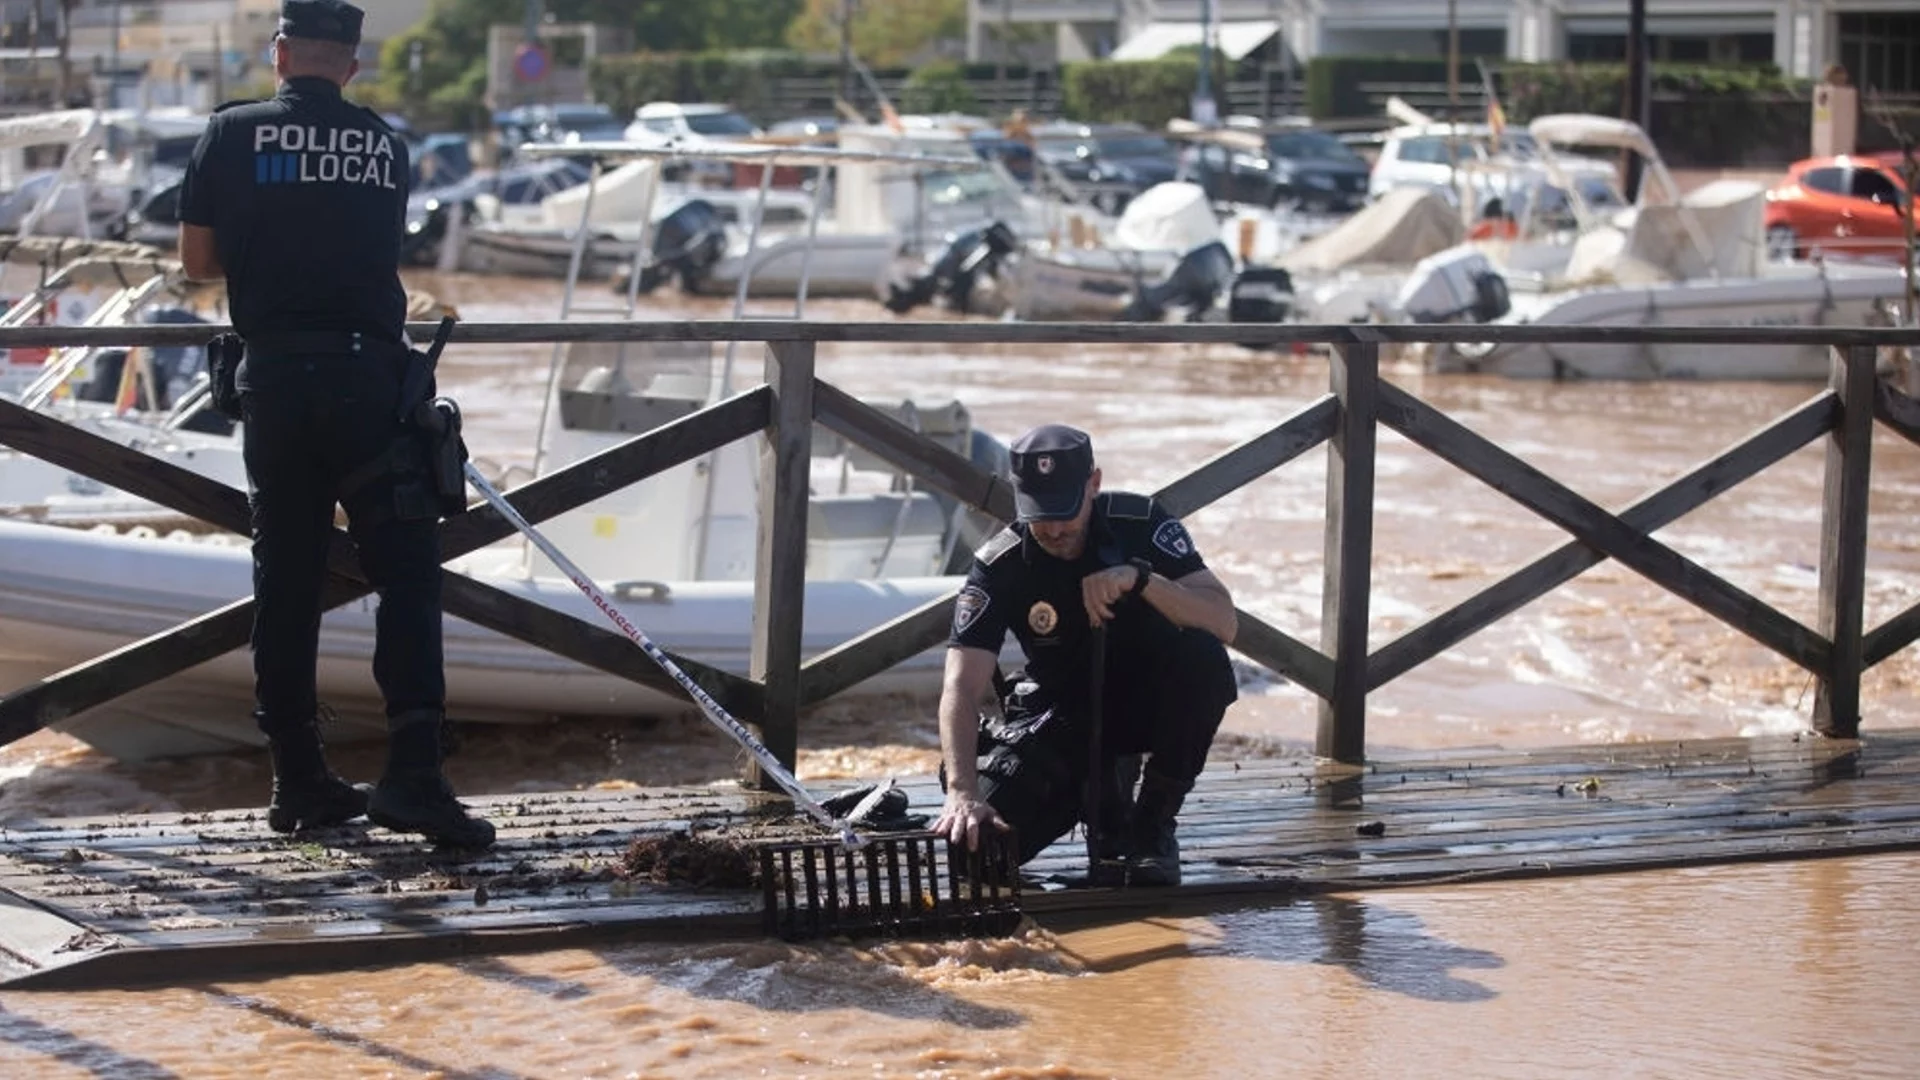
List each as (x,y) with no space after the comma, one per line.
(154,898)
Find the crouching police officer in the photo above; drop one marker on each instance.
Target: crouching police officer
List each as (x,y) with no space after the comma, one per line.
(300,204)
(1077,559)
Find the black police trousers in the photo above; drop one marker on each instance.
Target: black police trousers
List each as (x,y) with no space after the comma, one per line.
(1164,695)
(312,421)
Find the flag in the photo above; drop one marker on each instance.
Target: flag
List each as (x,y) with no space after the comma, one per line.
(127,396)
(1496,119)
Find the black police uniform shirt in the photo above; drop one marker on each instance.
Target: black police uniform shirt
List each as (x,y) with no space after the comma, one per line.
(1016,585)
(307,197)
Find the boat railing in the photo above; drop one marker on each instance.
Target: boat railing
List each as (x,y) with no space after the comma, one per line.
(1340,670)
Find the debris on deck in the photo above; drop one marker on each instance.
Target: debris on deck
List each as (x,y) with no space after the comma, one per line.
(130,899)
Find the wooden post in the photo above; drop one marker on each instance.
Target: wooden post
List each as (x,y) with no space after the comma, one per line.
(1843,542)
(779,600)
(1355,372)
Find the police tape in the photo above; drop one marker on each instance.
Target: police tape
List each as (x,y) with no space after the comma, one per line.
(712,709)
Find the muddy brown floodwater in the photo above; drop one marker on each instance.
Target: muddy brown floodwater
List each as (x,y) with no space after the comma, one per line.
(1778,970)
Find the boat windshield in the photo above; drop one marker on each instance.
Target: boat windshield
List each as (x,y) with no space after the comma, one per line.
(634,386)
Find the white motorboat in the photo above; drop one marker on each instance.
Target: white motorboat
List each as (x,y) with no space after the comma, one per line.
(676,551)
(67,595)
(1672,259)
(1159,228)
(151,399)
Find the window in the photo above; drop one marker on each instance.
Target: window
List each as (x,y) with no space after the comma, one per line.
(1135,146)
(1875,186)
(1881,52)
(1426,150)
(1831,181)
(1308,145)
(719,124)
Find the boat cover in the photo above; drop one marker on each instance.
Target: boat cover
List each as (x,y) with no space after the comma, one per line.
(1167,217)
(1404,226)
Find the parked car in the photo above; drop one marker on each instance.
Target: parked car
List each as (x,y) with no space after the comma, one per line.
(819,129)
(1837,206)
(1451,158)
(693,122)
(439,159)
(570,122)
(1110,162)
(1289,168)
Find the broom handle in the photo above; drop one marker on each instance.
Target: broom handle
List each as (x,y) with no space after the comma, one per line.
(1096,701)
(708,706)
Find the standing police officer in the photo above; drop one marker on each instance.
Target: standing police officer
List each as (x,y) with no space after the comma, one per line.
(1075,560)
(300,203)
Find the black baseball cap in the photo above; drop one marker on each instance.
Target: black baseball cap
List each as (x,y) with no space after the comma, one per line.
(1051,465)
(321,20)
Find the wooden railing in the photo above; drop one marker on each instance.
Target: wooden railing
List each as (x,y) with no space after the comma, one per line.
(1340,671)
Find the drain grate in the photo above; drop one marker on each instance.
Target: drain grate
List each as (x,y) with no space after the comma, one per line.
(915,884)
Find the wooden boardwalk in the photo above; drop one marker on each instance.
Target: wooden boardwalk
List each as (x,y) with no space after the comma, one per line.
(184,897)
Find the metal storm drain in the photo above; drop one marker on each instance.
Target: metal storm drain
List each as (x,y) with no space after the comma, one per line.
(914,884)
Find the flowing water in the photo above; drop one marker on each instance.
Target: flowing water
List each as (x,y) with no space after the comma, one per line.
(1776,970)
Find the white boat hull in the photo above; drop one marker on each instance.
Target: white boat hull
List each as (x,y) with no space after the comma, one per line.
(846,265)
(67,596)
(1850,297)
(485,250)
(1090,284)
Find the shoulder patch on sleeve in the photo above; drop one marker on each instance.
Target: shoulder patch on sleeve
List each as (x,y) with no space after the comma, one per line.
(997,545)
(968,607)
(1171,537)
(1129,506)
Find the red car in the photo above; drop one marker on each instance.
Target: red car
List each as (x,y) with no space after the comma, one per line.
(1838,206)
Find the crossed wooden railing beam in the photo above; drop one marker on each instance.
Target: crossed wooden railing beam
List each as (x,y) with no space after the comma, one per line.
(1341,671)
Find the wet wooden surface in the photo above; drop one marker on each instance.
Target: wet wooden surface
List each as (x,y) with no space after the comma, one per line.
(135,899)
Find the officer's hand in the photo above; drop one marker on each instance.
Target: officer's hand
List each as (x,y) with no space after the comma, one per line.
(1101,590)
(963,816)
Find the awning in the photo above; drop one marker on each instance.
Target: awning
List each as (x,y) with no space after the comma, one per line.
(1236,39)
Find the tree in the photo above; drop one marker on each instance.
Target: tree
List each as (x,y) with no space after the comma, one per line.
(886,33)
(453,39)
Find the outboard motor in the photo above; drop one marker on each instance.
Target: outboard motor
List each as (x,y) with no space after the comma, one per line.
(952,273)
(1261,294)
(1195,283)
(686,242)
(1455,284)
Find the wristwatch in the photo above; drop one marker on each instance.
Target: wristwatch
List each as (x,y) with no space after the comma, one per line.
(1143,573)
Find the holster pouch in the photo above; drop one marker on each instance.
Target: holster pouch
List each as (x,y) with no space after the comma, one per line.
(436,424)
(224,354)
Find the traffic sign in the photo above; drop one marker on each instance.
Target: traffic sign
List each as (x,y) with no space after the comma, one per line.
(530,62)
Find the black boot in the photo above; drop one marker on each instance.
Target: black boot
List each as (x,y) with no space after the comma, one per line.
(414,796)
(1155,858)
(306,794)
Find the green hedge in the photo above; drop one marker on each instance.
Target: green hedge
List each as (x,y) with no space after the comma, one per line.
(938,87)
(1333,82)
(1702,115)
(749,80)
(1149,92)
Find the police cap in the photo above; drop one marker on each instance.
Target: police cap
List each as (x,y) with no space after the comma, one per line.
(1051,466)
(321,20)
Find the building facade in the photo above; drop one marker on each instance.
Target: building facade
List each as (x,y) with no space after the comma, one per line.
(1877,41)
